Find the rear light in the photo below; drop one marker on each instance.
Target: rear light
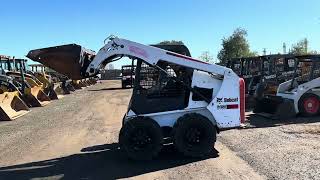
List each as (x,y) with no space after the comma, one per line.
(242,100)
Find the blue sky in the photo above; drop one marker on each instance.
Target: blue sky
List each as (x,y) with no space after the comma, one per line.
(200,24)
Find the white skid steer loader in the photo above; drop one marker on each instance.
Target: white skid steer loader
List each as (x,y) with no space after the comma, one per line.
(192,99)
(299,95)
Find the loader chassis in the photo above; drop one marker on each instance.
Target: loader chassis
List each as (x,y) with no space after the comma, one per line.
(174,97)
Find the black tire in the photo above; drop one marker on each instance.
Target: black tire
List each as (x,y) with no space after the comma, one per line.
(303,105)
(194,135)
(141,138)
(123,85)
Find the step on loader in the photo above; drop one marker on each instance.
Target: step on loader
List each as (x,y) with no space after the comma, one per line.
(174,96)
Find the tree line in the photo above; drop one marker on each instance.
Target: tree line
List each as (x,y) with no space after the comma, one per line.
(237,45)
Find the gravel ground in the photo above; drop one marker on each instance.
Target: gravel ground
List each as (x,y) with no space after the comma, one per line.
(76,138)
(278,149)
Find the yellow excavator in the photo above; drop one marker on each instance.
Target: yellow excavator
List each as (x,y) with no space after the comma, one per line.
(11,104)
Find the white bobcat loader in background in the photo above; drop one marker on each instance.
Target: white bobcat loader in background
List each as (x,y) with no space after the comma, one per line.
(299,95)
(174,95)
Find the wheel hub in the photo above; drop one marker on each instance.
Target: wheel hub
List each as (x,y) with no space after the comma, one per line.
(140,139)
(311,105)
(193,136)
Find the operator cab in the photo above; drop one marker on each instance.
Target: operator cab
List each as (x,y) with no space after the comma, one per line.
(162,87)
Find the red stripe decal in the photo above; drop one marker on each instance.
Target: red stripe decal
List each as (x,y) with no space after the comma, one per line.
(232,106)
(185,57)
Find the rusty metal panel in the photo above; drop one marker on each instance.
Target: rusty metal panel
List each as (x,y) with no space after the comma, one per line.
(70,60)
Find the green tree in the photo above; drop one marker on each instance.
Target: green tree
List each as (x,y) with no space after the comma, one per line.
(206,56)
(235,46)
(172,42)
(302,48)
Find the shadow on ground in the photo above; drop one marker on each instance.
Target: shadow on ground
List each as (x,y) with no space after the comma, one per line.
(97,162)
(257,121)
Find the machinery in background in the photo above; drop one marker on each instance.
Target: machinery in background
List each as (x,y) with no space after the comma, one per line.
(38,71)
(127,75)
(263,72)
(30,87)
(11,105)
(298,95)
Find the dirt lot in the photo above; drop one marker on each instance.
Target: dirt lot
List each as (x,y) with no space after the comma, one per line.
(287,149)
(76,138)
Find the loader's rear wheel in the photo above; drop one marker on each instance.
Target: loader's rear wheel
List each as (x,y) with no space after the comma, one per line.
(309,105)
(194,135)
(141,138)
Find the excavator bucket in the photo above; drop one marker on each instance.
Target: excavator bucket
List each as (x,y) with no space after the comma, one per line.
(60,90)
(70,60)
(88,82)
(67,85)
(47,87)
(274,107)
(93,81)
(35,97)
(51,93)
(76,84)
(83,83)
(11,106)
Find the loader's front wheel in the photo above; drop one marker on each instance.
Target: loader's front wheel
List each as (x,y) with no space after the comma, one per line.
(141,138)
(309,105)
(194,135)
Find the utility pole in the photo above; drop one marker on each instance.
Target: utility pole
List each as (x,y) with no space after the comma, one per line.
(305,45)
(264,51)
(284,48)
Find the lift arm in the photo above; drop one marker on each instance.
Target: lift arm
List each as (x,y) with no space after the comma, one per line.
(117,48)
